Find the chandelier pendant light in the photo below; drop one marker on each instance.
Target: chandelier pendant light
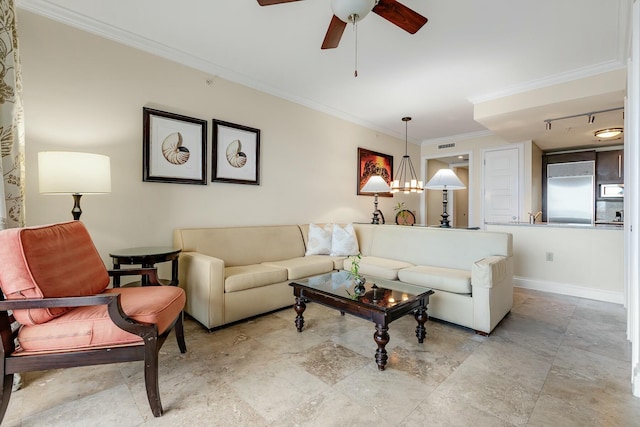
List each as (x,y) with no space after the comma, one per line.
(406,177)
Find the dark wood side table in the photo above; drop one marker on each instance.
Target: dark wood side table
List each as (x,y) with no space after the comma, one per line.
(147,257)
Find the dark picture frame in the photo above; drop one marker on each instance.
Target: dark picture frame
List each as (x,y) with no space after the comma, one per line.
(174,148)
(373,163)
(235,153)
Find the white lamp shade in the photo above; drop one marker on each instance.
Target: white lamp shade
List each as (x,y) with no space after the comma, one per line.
(345,8)
(445,179)
(64,172)
(375,184)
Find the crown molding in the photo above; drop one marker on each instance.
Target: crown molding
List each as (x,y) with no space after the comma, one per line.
(127,38)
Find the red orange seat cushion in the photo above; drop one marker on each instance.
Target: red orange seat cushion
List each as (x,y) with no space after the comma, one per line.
(85,327)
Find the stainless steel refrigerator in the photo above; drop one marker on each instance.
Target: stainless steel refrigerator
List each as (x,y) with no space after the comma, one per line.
(570,192)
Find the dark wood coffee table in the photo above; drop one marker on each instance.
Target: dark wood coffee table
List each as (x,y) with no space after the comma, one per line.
(383,302)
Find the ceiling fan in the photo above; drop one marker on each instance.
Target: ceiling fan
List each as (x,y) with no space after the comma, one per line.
(352,11)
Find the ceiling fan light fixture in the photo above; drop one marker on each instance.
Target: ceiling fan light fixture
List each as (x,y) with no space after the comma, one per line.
(608,133)
(352,10)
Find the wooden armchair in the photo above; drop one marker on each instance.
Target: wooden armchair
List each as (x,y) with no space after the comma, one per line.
(52,280)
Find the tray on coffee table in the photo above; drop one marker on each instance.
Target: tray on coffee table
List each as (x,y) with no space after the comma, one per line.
(382,302)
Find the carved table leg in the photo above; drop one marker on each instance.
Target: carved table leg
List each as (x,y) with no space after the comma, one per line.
(381,337)
(421,317)
(299,307)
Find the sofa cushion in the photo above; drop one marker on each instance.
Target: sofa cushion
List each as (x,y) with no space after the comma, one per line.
(252,276)
(344,241)
(440,278)
(298,268)
(319,239)
(92,327)
(379,267)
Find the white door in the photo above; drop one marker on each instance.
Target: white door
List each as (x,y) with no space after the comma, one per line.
(501,185)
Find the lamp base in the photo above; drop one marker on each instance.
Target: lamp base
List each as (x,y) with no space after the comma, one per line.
(76,211)
(444,223)
(376,211)
(375,219)
(445,216)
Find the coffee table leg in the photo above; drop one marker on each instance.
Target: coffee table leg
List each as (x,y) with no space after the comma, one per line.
(421,317)
(299,307)
(381,337)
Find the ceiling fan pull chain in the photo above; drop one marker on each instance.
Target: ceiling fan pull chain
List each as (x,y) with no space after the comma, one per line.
(355,28)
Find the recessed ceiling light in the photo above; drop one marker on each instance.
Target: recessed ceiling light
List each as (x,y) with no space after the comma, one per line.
(608,133)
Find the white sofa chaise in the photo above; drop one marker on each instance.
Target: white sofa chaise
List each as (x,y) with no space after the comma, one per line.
(233,273)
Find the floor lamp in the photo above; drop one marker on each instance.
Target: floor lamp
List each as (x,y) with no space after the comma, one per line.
(445,179)
(62,172)
(376,184)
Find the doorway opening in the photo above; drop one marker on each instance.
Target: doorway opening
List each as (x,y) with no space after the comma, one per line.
(458,206)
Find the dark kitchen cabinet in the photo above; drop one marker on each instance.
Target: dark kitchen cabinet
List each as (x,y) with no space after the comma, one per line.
(609,167)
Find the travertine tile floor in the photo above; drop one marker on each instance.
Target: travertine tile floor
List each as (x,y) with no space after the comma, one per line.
(554,361)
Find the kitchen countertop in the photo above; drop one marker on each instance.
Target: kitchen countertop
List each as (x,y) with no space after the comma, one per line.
(614,225)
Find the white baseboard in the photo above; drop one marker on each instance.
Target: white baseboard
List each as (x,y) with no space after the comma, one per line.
(567,289)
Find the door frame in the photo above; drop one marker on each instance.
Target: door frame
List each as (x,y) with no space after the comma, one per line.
(424,173)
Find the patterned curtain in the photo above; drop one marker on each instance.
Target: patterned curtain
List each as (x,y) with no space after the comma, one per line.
(11,121)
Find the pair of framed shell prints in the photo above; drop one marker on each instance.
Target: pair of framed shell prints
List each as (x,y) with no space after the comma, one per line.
(174,149)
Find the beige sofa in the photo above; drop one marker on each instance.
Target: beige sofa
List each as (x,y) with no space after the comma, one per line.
(234,273)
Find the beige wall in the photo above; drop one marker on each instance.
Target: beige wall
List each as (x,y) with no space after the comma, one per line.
(86,93)
(475,147)
(536,180)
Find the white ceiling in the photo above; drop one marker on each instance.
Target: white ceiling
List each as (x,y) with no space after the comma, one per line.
(468,50)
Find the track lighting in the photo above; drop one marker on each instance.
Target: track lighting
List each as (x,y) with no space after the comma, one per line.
(591,116)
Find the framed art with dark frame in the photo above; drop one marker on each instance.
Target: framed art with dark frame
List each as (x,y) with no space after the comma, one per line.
(174,148)
(236,153)
(373,163)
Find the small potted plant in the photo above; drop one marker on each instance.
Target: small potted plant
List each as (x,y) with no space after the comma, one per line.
(358,279)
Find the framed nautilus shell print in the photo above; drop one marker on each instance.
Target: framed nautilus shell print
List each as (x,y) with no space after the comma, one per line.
(236,153)
(174,148)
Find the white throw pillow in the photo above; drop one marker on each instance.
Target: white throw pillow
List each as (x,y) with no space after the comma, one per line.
(319,240)
(344,241)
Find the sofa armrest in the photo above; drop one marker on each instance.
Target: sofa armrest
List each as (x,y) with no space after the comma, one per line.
(492,291)
(202,278)
(489,271)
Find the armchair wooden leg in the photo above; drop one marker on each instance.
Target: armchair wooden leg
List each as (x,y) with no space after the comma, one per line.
(179,330)
(151,351)
(7,387)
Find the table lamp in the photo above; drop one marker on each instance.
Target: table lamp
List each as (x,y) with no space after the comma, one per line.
(376,184)
(64,172)
(445,179)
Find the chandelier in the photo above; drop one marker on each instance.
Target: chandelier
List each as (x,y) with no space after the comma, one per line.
(406,174)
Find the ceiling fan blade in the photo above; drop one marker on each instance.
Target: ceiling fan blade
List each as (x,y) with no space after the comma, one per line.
(400,15)
(270,2)
(334,33)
